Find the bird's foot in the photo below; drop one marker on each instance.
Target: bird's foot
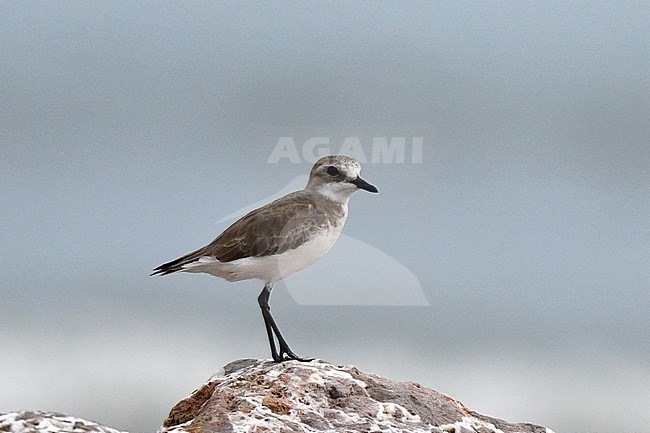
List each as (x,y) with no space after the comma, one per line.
(286,354)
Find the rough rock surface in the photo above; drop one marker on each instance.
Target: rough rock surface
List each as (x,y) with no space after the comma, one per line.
(261,396)
(51,422)
(251,395)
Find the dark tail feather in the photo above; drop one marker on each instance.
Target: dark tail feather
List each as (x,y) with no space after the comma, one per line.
(177,265)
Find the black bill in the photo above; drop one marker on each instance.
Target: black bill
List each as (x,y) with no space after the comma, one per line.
(362,184)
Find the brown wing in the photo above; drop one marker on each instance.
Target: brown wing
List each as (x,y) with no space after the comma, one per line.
(281,225)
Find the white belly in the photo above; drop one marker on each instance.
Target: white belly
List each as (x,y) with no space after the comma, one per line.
(271,269)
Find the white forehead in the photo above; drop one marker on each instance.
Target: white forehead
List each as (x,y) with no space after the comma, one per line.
(345,164)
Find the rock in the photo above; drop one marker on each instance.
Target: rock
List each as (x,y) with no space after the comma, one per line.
(51,422)
(261,396)
(252,395)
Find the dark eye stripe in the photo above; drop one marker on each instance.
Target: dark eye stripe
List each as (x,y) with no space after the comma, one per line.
(332,171)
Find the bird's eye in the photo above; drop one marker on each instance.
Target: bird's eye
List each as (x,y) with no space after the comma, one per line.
(332,171)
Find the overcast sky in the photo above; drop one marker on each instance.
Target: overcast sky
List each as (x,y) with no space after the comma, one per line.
(505,262)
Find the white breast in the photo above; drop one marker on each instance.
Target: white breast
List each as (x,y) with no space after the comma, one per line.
(307,254)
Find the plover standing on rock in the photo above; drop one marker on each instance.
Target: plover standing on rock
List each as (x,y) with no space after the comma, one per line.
(280,238)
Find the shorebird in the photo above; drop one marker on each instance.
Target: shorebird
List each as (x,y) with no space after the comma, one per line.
(280,238)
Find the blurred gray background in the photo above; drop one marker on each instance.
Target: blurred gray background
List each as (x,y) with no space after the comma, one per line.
(129,130)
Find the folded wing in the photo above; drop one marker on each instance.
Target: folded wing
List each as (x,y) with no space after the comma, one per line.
(279,226)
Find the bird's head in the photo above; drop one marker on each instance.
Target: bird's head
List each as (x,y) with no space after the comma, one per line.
(337,177)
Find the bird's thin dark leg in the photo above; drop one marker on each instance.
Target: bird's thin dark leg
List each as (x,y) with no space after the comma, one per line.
(272,329)
(263,300)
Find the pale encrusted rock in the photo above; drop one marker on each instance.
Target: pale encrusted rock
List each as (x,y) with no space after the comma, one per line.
(48,422)
(262,396)
(251,395)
